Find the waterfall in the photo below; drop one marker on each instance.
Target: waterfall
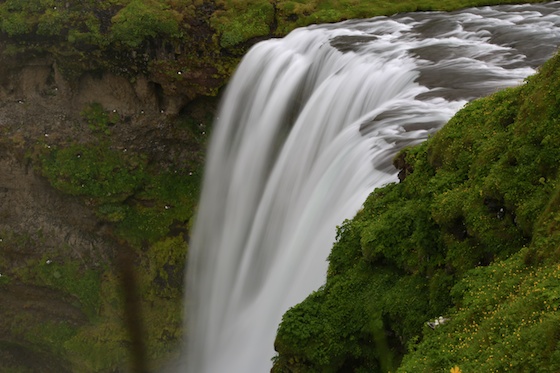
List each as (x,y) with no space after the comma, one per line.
(307,129)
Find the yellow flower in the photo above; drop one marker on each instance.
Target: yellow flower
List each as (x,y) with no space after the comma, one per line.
(455,369)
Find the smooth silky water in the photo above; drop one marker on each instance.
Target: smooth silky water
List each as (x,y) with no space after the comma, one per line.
(307,129)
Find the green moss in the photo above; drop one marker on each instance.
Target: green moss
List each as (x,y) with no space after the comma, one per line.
(15,24)
(5,279)
(100,347)
(162,283)
(69,277)
(506,319)
(141,20)
(242,20)
(51,333)
(164,199)
(334,328)
(99,119)
(292,14)
(102,344)
(141,202)
(94,171)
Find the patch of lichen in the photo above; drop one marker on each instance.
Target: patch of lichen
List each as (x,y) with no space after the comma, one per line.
(470,233)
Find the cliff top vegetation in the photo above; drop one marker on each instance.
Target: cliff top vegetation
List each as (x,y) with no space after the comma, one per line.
(159,38)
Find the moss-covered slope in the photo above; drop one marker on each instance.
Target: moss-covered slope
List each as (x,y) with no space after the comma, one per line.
(81,263)
(470,234)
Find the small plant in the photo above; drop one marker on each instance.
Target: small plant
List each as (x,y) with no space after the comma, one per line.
(98,119)
(94,171)
(242,21)
(145,19)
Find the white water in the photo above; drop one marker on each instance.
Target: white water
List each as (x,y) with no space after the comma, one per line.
(307,129)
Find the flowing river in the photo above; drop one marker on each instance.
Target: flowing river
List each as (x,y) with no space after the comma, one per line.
(307,129)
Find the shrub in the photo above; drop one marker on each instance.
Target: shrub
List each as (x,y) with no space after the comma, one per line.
(242,20)
(144,19)
(97,172)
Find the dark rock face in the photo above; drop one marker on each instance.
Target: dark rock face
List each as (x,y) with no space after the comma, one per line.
(404,168)
(41,110)
(38,82)
(31,206)
(37,221)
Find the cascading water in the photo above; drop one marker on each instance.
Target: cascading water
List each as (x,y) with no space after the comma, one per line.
(307,129)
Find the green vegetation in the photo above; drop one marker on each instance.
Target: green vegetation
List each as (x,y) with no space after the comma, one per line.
(470,234)
(69,278)
(157,38)
(98,119)
(240,21)
(297,13)
(145,19)
(140,200)
(95,171)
